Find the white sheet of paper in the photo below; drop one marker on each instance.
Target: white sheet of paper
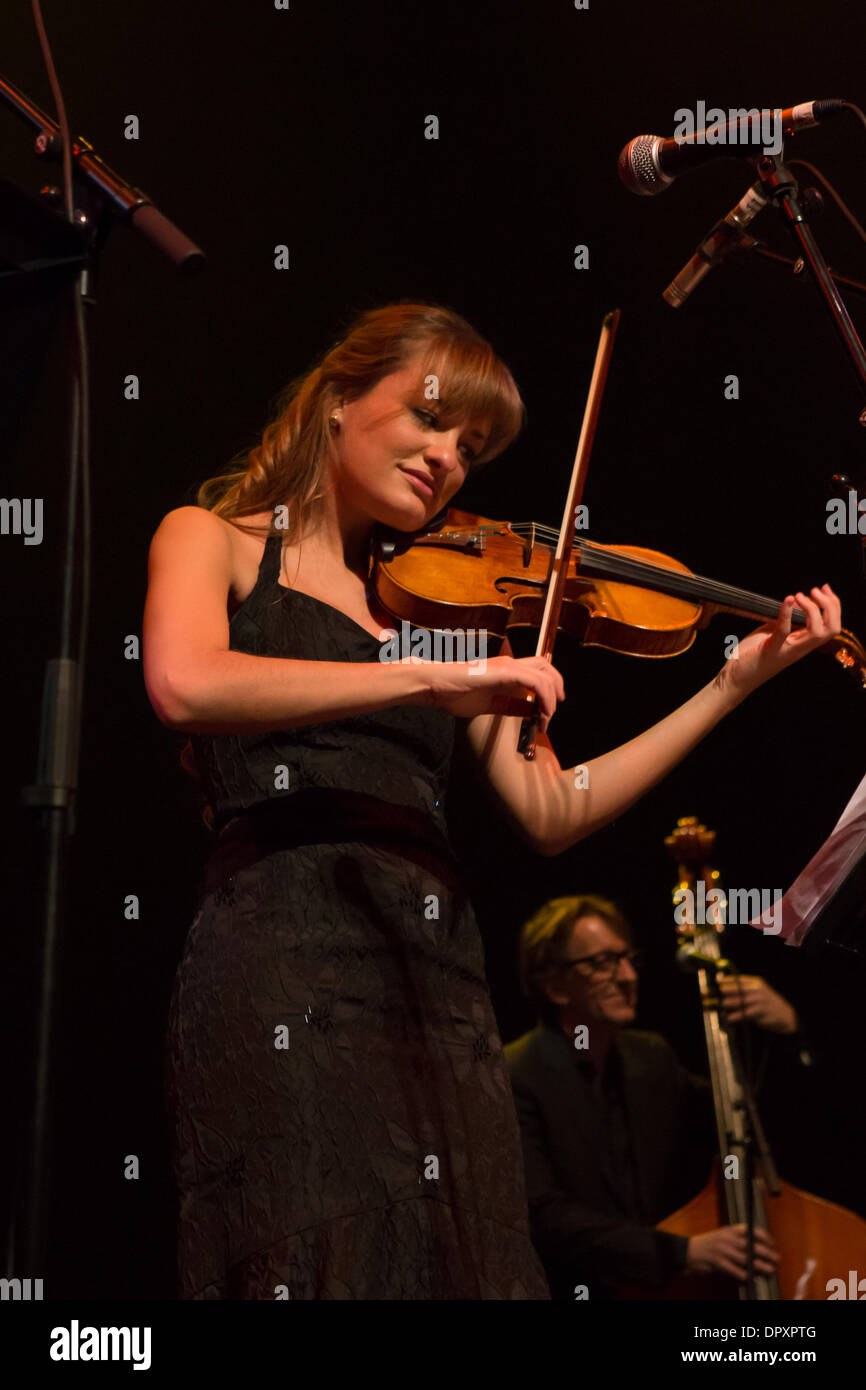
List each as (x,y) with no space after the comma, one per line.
(823,875)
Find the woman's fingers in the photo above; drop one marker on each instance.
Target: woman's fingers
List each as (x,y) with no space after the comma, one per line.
(777,633)
(830,610)
(518,687)
(782,627)
(814,616)
(823,615)
(835,607)
(546,669)
(545,681)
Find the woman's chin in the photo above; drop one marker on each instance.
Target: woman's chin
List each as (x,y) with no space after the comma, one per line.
(405,517)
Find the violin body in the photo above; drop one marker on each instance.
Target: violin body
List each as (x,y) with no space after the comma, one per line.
(464,577)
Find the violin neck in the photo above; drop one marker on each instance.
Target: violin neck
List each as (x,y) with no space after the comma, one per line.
(598,563)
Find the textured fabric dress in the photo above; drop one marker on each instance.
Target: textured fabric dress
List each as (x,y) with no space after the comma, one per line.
(341,1115)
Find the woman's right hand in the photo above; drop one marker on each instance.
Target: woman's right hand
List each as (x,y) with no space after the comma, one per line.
(496,686)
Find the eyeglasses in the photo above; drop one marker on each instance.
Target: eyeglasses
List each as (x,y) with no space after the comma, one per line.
(605,964)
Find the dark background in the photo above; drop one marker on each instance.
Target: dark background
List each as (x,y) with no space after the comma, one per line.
(306,127)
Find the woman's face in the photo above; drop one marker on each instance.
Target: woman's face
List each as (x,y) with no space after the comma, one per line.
(394,461)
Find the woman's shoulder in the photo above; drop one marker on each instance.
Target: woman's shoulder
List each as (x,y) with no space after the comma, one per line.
(192,526)
(193,518)
(235,545)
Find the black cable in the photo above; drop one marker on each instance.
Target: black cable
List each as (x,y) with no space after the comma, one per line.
(840,201)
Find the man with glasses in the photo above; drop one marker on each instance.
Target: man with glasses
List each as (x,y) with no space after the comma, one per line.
(616,1134)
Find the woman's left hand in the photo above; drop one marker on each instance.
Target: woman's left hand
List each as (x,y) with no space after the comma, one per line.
(773,647)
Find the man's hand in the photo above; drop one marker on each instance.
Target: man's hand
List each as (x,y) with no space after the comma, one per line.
(724,1250)
(750,997)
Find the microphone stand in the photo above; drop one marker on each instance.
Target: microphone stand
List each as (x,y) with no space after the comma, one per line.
(780,188)
(54,247)
(111,193)
(748,243)
(781,191)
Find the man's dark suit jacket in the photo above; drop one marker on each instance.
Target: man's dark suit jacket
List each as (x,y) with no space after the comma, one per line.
(583,1226)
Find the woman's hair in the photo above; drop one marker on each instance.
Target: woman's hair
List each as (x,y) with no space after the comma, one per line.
(288,467)
(544,942)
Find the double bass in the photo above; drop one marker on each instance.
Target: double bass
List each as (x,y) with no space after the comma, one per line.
(818,1241)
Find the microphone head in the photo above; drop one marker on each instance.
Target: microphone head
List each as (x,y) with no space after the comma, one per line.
(638,166)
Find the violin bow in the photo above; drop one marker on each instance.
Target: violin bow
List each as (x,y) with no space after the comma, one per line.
(559,568)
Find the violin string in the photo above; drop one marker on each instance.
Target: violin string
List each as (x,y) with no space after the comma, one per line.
(630,569)
(685,585)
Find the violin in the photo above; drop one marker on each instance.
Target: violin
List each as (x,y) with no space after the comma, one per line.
(470,572)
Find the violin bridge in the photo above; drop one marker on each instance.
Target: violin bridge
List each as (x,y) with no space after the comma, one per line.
(528,543)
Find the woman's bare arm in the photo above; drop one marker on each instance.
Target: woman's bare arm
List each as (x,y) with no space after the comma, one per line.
(197,684)
(554,807)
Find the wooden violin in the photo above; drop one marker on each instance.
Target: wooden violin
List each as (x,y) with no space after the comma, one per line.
(470,572)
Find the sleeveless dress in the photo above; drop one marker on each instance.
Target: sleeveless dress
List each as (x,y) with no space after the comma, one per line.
(342,1123)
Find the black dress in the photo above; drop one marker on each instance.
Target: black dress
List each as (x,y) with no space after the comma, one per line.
(342,1119)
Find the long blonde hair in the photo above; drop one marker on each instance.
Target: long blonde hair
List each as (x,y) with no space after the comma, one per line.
(288,467)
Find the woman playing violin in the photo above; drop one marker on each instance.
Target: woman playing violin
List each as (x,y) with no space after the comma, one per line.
(342,1120)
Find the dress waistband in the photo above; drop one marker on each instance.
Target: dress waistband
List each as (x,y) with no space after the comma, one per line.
(322,815)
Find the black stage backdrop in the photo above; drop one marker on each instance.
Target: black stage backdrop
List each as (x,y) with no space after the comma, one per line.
(305,126)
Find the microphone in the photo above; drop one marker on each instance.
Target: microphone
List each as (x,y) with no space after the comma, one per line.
(716,245)
(688,959)
(649,164)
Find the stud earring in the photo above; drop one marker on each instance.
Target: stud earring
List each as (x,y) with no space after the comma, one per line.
(334,422)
